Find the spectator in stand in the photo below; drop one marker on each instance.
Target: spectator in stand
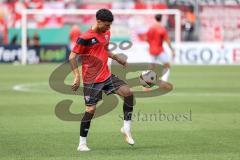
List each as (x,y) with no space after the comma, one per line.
(70,4)
(189,24)
(1,38)
(35,43)
(14,40)
(35,40)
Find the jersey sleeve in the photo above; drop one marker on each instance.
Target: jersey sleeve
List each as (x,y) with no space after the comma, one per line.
(80,46)
(83,44)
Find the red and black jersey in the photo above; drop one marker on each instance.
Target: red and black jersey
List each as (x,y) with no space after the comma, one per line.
(92,48)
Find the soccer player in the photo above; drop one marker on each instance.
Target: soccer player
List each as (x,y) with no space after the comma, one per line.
(91,46)
(156,35)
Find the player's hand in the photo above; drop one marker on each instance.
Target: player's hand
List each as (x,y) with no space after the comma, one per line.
(121,60)
(76,83)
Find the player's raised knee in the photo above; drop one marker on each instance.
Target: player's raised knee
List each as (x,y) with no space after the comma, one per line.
(90,109)
(128,93)
(124,91)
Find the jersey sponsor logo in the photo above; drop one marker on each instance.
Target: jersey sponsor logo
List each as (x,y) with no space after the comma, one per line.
(87,98)
(94,41)
(13,53)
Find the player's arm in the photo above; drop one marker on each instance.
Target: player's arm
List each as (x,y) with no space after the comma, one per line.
(76,73)
(78,49)
(170,46)
(117,58)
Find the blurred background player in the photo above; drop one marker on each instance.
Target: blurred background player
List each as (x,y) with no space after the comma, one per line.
(75,32)
(92,48)
(189,21)
(156,35)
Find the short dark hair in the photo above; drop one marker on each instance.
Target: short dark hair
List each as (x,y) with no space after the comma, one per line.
(104,15)
(158,17)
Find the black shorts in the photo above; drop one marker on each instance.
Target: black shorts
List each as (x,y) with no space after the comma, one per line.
(93,92)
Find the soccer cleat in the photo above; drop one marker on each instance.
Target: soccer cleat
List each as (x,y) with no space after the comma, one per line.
(83,148)
(127,136)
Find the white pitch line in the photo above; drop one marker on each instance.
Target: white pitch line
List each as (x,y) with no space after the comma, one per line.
(20,88)
(29,88)
(188,94)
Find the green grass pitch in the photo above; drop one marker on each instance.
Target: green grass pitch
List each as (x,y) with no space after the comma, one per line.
(30,130)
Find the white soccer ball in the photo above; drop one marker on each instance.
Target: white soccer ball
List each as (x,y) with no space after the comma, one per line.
(148,78)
